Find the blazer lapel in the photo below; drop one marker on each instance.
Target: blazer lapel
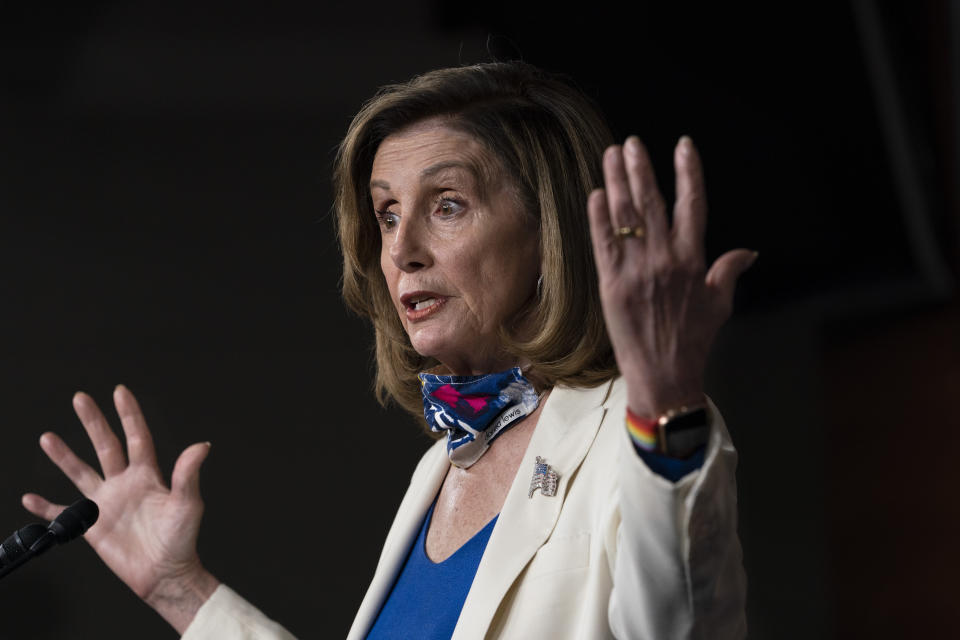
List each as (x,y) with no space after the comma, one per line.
(406,525)
(564,433)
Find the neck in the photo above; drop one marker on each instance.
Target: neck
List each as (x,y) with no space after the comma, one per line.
(509,448)
(478,367)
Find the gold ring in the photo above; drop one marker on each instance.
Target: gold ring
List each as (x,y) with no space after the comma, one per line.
(636,232)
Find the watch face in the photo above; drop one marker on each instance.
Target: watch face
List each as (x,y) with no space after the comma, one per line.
(690,420)
(685,433)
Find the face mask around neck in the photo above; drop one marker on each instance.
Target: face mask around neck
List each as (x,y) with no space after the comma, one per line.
(474,410)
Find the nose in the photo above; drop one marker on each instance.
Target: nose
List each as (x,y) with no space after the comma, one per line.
(409,248)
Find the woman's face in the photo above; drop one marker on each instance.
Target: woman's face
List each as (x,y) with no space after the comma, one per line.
(459,255)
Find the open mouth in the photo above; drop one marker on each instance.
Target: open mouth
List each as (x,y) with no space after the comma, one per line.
(422,303)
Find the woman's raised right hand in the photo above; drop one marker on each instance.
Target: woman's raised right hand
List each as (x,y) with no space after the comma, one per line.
(146,532)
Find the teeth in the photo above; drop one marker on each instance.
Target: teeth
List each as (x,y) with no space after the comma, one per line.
(423,304)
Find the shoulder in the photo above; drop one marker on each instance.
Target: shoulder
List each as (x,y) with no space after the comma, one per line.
(607,395)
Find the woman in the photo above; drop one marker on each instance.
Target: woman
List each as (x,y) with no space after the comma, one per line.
(583,486)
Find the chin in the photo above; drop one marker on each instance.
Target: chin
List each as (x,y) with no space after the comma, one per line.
(444,348)
(427,344)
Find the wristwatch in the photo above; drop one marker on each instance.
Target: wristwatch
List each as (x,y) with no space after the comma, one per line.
(682,431)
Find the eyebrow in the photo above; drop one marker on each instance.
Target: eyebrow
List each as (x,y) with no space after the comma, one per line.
(431,171)
(434,169)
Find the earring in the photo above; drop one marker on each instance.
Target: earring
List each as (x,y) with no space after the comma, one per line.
(540,286)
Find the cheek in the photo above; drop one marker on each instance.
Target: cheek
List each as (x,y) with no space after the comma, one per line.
(386,264)
(384,267)
(496,285)
(517,277)
(388,269)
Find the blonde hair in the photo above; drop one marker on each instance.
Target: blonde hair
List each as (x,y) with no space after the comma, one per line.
(549,140)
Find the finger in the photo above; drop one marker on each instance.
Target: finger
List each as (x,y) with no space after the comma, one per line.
(105,441)
(722,277)
(185,482)
(619,199)
(605,245)
(643,189)
(690,210)
(80,473)
(139,441)
(40,506)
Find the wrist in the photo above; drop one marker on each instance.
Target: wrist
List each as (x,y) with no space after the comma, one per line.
(178,598)
(653,397)
(652,406)
(677,433)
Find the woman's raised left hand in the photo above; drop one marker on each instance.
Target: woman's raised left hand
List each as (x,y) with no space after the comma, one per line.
(662,306)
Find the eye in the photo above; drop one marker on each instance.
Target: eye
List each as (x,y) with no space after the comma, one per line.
(449,206)
(387,219)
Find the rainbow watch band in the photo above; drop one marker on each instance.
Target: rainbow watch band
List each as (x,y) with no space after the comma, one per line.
(643,432)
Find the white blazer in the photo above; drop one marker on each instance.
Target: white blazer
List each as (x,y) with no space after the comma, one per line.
(618,552)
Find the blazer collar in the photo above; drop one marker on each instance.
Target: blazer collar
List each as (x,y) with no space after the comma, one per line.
(564,433)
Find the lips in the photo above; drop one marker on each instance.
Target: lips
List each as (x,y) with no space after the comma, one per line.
(422,304)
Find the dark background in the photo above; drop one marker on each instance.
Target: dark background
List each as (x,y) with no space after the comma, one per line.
(164,223)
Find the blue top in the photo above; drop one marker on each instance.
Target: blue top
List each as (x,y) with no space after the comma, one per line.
(673,468)
(427,598)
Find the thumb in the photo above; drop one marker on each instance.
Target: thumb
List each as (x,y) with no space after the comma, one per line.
(40,506)
(185,481)
(724,272)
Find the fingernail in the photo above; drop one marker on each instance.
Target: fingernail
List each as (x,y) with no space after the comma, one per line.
(685,144)
(209,444)
(756,254)
(633,145)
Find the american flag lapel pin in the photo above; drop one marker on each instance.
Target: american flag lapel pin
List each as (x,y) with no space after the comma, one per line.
(544,478)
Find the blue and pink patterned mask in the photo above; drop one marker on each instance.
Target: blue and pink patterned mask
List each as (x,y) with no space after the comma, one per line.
(474,410)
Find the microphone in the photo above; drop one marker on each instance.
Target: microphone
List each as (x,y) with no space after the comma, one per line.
(15,550)
(74,521)
(33,539)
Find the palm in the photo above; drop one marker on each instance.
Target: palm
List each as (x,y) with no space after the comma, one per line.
(146,532)
(141,531)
